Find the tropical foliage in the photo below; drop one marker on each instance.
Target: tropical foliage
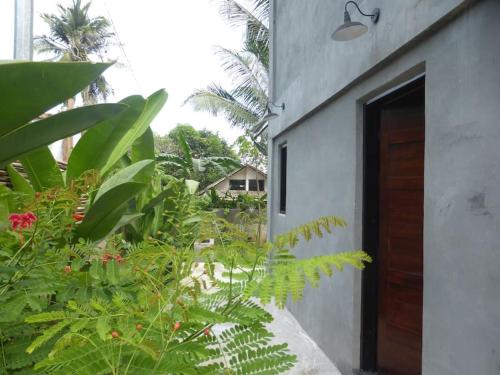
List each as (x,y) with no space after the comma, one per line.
(213,157)
(76,36)
(28,90)
(246,102)
(100,268)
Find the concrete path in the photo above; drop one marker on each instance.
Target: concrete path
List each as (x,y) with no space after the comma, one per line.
(311,359)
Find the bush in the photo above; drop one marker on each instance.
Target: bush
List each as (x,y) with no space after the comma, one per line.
(98,268)
(112,307)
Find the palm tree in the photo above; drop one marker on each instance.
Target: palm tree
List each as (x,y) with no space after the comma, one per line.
(75,36)
(244,104)
(255,18)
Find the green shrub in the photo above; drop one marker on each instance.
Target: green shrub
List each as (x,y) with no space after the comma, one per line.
(98,268)
(156,307)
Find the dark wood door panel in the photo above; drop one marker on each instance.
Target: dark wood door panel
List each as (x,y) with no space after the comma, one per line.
(403,159)
(400,263)
(404,229)
(402,253)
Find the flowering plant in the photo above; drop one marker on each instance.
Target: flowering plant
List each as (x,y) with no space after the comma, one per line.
(22,221)
(68,305)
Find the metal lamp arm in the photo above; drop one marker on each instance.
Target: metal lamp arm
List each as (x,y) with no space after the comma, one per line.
(357,7)
(374,16)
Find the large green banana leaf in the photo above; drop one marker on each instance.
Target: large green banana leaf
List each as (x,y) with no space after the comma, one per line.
(104,215)
(19,183)
(154,104)
(28,89)
(144,149)
(41,133)
(42,169)
(4,207)
(95,147)
(128,174)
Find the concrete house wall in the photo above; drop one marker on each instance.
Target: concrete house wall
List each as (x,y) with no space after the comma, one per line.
(324,84)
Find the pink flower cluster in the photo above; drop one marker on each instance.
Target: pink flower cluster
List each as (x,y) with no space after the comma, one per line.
(22,221)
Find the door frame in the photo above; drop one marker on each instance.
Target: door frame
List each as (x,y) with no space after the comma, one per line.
(370,220)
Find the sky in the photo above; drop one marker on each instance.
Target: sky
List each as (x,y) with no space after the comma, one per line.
(166,44)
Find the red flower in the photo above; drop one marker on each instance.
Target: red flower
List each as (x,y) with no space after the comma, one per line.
(106,258)
(206,331)
(15,220)
(118,258)
(22,221)
(177,325)
(67,269)
(115,334)
(30,216)
(78,217)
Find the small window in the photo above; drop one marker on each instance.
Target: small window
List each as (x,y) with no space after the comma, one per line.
(237,184)
(283,161)
(252,185)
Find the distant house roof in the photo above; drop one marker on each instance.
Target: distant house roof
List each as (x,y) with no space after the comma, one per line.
(231,174)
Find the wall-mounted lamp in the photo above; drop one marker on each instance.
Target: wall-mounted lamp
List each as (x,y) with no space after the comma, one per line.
(350,30)
(270,115)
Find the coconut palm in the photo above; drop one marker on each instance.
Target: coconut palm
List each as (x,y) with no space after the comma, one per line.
(245,103)
(255,18)
(75,36)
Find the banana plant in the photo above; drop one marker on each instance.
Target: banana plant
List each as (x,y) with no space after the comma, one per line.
(28,90)
(190,167)
(123,154)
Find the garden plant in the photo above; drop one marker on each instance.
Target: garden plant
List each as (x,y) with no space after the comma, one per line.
(98,268)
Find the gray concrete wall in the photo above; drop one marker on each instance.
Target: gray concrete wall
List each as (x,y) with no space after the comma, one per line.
(322,126)
(309,68)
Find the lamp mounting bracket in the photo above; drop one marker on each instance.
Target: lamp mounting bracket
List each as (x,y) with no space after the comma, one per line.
(375,12)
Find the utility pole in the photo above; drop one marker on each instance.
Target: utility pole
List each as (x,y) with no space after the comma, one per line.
(23,30)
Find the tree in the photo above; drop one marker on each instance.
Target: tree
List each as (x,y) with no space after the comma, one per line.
(207,149)
(75,36)
(246,102)
(250,154)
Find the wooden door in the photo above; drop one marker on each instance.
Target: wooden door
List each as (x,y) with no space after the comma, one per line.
(400,282)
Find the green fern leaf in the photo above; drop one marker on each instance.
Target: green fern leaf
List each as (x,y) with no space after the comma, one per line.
(47,335)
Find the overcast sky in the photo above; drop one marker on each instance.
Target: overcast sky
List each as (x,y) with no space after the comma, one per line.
(168,44)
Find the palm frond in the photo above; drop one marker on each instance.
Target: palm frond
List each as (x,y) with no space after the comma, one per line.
(75,36)
(216,100)
(255,18)
(244,68)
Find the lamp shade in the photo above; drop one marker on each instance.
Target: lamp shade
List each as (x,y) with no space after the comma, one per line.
(270,116)
(348,31)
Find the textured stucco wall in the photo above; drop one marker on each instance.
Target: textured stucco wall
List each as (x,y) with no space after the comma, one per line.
(308,67)
(461,62)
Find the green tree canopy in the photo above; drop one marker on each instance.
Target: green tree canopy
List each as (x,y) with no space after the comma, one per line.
(203,144)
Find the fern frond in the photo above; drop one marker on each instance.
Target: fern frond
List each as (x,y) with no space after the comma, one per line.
(306,231)
(46,317)
(47,335)
(288,277)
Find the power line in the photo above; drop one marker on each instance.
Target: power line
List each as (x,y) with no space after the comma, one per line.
(121,46)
